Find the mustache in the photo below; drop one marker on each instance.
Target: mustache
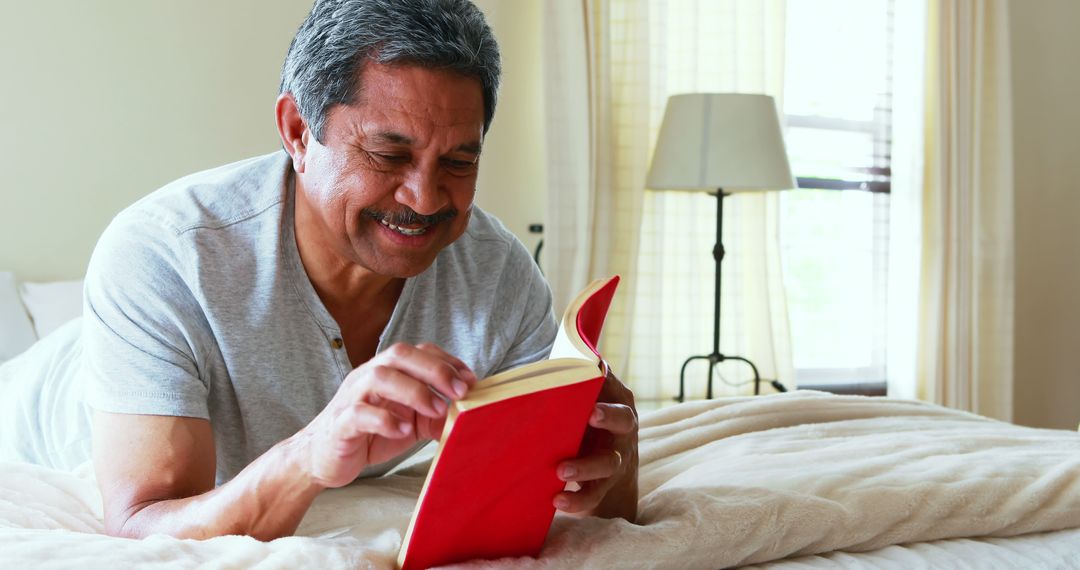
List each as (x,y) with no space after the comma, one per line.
(408,217)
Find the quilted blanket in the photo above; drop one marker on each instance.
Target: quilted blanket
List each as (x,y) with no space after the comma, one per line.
(723,483)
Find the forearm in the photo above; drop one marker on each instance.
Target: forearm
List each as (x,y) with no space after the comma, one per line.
(266,500)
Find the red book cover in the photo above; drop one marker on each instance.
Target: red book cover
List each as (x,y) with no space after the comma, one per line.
(490,488)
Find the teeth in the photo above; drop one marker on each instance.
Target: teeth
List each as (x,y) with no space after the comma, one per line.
(405,231)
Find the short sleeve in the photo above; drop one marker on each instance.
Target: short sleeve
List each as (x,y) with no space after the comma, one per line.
(143,324)
(538,327)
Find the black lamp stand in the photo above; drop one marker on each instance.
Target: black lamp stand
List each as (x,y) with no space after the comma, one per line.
(715,357)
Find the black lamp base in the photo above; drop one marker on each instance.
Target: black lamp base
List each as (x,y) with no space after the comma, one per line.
(715,357)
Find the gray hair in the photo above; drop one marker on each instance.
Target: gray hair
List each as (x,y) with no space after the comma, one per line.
(322,68)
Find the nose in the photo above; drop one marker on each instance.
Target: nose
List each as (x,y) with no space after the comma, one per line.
(422,191)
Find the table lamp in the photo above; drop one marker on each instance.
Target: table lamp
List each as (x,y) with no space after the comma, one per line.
(719,143)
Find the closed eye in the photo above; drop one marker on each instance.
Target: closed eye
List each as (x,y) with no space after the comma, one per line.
(385,161)
(394,158)
(460,167)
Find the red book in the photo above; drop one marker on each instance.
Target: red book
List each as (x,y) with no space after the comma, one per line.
(490,488)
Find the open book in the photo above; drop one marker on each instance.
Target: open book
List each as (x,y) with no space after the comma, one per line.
(490,488)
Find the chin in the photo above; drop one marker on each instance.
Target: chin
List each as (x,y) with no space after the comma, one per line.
(397,267)
(394,255)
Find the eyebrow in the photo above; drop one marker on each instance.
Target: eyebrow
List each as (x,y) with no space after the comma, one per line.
(391,137)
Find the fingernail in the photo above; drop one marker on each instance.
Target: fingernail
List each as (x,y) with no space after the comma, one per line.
(598,414)
(561,503)
(404,427)
(459,388)
(568,472)
(440,406)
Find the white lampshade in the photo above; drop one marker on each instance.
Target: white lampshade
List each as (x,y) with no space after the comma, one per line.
(720,140)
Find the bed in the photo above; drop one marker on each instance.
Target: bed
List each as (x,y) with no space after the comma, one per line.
(790,481)
(30,311)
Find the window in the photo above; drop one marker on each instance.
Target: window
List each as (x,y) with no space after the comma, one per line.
(834,229)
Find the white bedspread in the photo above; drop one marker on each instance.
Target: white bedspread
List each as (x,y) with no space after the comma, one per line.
(1053,550)
(723,483)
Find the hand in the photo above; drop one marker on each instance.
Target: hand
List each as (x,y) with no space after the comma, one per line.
(606,470)
(381,409)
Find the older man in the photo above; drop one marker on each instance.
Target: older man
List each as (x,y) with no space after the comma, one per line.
(271,328)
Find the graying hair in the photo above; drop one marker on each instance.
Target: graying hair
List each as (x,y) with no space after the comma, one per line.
(322,68)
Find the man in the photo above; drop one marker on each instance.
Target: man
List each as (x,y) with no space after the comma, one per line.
(262,331)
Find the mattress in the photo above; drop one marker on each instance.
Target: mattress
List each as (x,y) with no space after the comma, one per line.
(798,480)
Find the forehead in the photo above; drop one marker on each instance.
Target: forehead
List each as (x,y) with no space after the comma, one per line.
(415,102)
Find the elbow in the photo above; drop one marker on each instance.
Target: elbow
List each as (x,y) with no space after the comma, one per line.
(120,530)
(121,522)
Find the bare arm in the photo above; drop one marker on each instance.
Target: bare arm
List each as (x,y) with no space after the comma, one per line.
(157,476)
(156,473)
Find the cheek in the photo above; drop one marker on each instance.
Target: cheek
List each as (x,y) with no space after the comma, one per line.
(340,211)
(462,193)
(461,222)
(342,193)
(333,200)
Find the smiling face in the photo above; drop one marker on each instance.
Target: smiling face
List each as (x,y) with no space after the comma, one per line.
(393,181)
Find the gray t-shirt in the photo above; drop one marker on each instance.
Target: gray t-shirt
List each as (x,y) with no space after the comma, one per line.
(197,305)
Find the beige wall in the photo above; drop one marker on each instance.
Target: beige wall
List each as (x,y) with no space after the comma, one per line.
(105,100)
(1046,106)
(512,174)
(109,99)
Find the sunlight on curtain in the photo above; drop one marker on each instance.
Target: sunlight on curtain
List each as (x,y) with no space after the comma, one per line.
(596,110)
(966,322)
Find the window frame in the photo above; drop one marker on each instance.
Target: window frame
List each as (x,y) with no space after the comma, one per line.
(880,178)
(874,375)
(875,178)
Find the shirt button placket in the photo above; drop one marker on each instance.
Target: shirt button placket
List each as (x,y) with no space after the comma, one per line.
(337,344)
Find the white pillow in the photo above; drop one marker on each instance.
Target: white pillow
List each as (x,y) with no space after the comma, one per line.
(52,304)
(16,330)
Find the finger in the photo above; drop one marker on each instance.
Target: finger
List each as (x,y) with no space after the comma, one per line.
(424,427)
(614,391)
(466,373)
(601,465)
(401,411)
(615,418)
(362,420)
(430,428)
(427,367)
(389,384)
(587,499)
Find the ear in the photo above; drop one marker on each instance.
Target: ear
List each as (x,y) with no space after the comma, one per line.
(292,129)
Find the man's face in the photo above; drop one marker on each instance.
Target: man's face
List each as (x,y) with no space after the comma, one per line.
(394,182)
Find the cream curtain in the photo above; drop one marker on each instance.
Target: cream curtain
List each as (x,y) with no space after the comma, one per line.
(596,155)
(966,317)
(610,66)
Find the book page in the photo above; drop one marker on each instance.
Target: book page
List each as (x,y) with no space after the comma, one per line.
(568,341)
(525,373)
(565,348)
